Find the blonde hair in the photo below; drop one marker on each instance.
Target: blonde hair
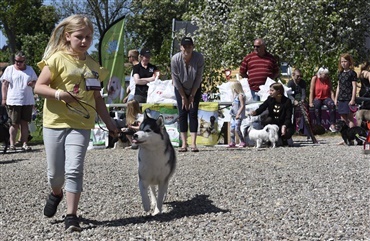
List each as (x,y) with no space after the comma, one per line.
(236,87)
(347,57)
(71,24)
(134,53)
(132,110)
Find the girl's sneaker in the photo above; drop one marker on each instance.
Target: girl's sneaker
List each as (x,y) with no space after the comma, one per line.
(242,144)
(231,145)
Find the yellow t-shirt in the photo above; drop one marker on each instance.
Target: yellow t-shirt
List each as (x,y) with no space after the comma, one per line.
(69,74)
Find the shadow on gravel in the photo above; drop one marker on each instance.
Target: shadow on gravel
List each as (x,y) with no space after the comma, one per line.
(11,161)
(199,205)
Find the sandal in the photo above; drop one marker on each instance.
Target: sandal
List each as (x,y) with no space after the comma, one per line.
(194,149)
(183,149)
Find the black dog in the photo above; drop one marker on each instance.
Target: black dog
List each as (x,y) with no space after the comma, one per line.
(350,134)
(4,128)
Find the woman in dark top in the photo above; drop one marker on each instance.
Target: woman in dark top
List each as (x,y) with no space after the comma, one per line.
(144,73)
(279,112)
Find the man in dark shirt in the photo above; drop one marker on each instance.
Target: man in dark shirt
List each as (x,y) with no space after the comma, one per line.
(144,72)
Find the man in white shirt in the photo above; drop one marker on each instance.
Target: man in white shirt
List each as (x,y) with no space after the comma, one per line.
(18,81)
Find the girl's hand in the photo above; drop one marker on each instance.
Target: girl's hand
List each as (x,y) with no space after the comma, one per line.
(191,101)
(311,105)
(352,102)
(237,117)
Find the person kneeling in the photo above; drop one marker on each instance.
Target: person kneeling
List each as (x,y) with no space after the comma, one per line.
(280,111)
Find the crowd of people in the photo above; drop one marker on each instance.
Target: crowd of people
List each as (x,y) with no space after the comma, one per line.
(70,82)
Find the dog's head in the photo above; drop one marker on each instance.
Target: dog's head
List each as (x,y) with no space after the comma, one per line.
(151,130)
(114,87)
(341,125)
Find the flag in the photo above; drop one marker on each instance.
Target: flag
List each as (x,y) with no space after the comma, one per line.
(112,57)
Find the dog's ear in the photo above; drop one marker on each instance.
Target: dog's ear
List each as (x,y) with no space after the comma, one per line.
(160,121)
(146,113)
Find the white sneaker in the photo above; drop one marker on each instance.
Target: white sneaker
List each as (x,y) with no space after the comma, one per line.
(332,129)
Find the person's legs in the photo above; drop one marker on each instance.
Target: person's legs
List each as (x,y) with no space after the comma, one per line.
(25,118)
(183,120)
(317,105)
(75,148)
(15,117)
(232,132)
(193,118)
(54,140)
(331,107)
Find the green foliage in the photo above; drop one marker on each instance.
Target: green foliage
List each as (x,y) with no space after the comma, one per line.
(306,34)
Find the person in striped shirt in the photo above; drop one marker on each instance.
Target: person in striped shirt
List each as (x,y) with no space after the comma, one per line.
(257,66)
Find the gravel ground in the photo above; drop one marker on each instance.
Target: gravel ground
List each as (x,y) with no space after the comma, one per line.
(306,192)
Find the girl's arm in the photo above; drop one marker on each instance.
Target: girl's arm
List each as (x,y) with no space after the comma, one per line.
(336,95)
(42,88)
(354,90)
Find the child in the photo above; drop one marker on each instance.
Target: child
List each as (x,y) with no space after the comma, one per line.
(133,120)
(237,113)
(346,89)
(70,82)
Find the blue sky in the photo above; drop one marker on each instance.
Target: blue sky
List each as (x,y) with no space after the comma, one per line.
(2,40)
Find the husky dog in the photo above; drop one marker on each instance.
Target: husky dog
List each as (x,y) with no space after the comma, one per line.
(268,133)
(350,134)
(156,161)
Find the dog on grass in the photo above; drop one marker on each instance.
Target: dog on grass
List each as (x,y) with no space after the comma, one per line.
(350,134)
(156,161)
(268,133)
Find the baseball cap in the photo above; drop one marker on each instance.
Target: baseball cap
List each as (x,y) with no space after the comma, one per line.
(145,52)
(187,40)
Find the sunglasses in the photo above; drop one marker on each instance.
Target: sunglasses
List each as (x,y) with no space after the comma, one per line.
(256,46)
(19,61)
(130,56)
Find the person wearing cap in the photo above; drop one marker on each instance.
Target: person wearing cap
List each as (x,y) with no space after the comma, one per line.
(257,66)
(144,73)
(187,73)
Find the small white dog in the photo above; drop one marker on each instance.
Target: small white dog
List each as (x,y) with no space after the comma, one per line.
(268,133)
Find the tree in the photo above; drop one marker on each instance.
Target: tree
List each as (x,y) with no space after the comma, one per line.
(101,12)
(149,25)
(306,34)
(22,20)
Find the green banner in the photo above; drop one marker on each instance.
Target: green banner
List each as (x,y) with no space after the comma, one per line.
(112,57)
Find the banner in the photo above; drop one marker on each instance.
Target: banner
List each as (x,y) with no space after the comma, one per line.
(208,124)
(112,57)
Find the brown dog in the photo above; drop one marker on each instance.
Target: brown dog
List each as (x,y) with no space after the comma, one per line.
(362,116)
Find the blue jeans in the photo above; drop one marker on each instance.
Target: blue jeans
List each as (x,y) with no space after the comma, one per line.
(235,128)
(255,97)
